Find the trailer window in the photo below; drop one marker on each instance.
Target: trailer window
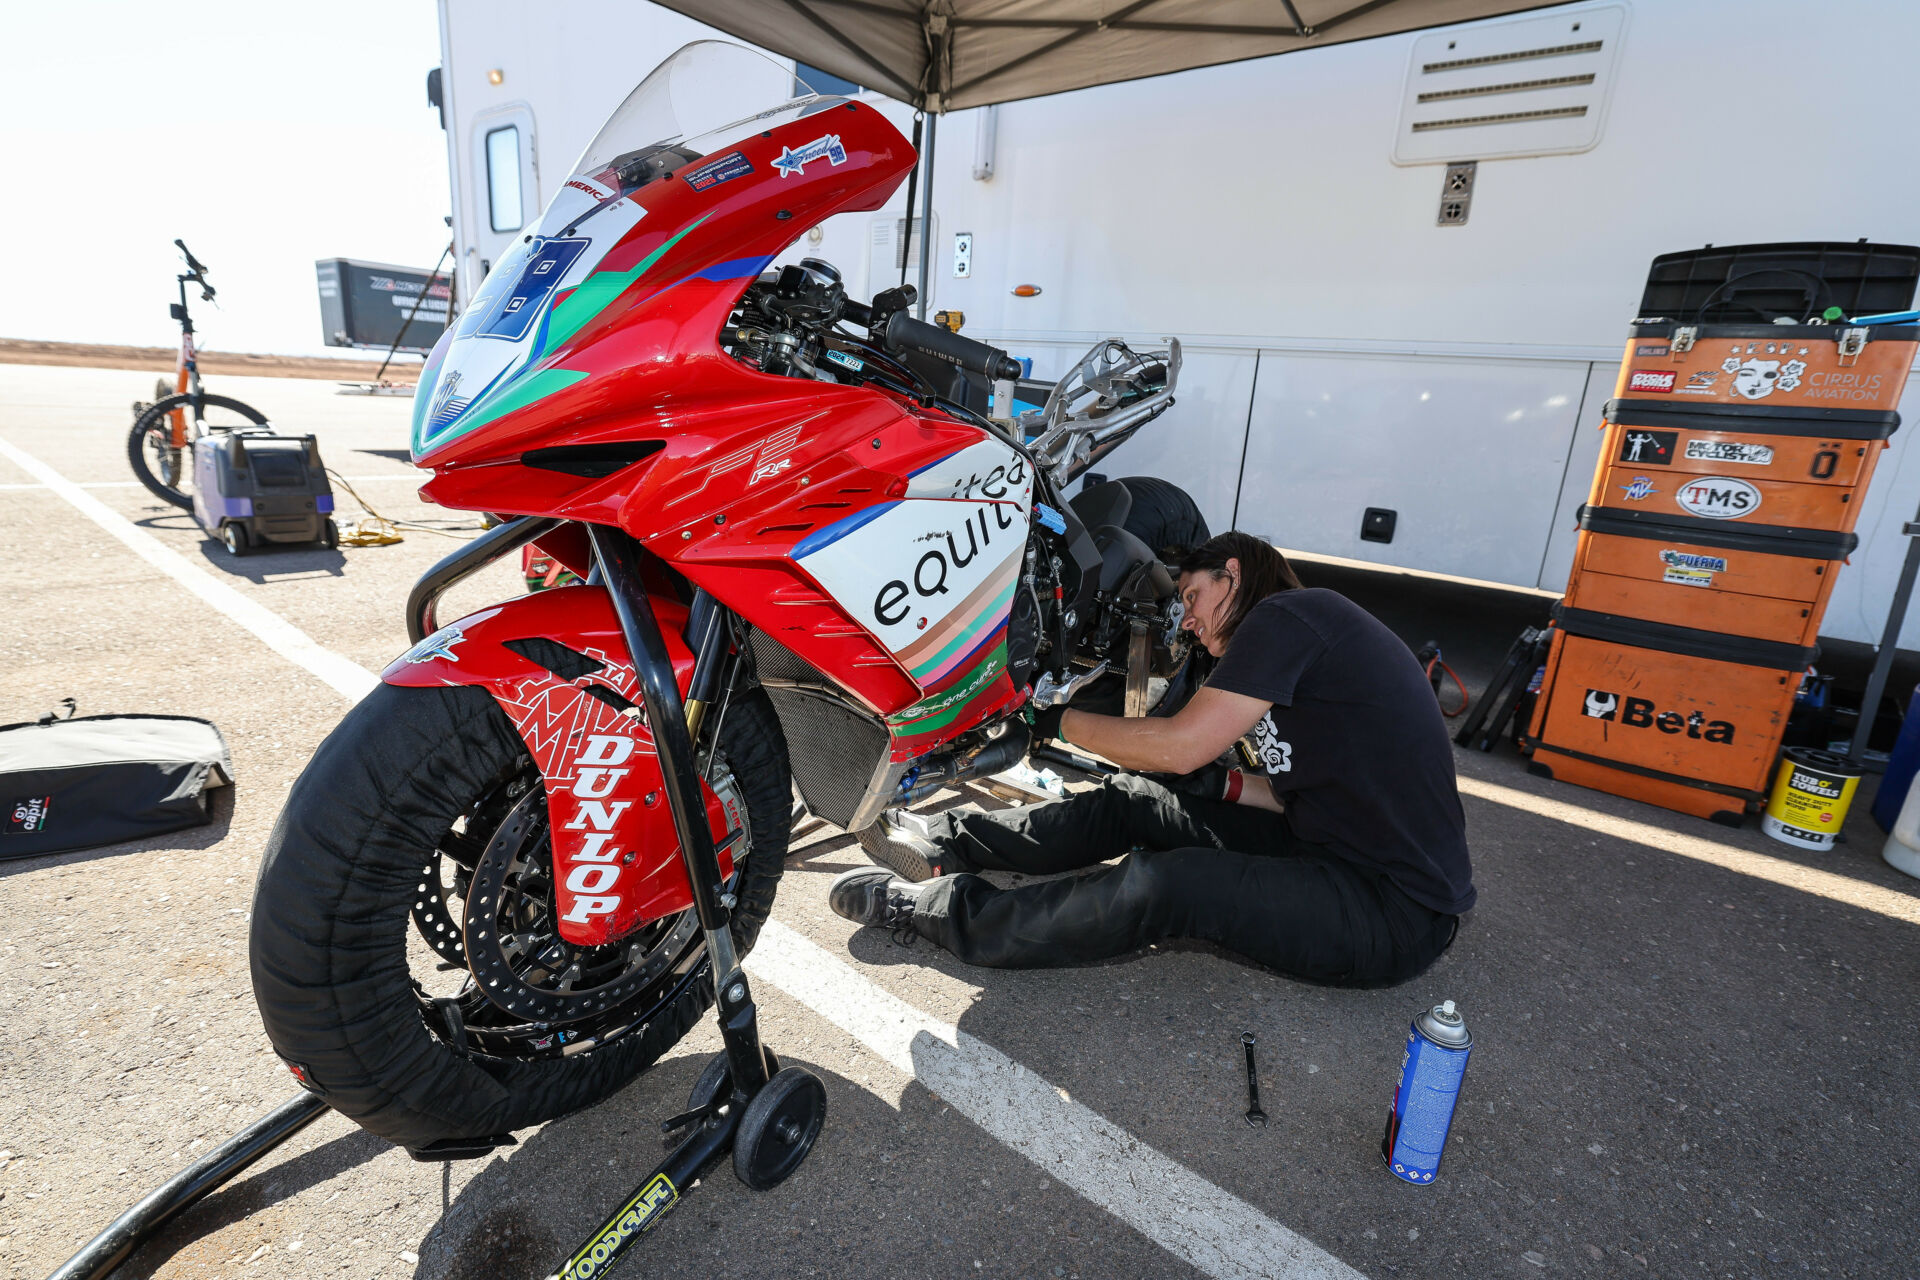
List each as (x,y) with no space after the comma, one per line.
(503,179)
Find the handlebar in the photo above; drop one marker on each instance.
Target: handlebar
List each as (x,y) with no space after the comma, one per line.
(196,270)
(904,333)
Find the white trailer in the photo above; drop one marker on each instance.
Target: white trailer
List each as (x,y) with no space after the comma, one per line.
(1359,332)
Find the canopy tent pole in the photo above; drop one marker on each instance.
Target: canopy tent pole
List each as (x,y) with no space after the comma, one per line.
(913,186)
(926,217)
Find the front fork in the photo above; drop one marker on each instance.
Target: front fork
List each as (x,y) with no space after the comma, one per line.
(674,723)
(186,378)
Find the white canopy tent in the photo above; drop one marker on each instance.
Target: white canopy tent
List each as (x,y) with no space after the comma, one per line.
(949,55)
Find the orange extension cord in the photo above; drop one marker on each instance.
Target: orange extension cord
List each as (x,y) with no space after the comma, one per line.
(1465,697)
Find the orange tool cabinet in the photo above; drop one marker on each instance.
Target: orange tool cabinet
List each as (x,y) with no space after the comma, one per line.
(1735,459)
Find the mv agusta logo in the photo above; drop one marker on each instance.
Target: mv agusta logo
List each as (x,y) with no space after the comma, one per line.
(1642,713)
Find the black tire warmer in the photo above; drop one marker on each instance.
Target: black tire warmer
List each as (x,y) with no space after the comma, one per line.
(330,919)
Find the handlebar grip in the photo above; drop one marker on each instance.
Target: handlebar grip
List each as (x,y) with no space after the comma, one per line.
(904,333)
(193,264)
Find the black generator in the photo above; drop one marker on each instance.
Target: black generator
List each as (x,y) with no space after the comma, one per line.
(254,489)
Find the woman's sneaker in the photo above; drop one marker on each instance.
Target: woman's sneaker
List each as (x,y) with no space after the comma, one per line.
(901,842)
(875,897)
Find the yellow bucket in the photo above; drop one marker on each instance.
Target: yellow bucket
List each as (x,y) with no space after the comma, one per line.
(1810,798)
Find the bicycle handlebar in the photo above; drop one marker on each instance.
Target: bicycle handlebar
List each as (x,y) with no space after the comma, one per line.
(196,271)
(193,264)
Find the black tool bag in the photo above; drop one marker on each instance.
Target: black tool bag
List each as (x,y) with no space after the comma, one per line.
(98,780)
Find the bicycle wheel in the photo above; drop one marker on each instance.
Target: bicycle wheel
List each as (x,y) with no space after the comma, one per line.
(165,470)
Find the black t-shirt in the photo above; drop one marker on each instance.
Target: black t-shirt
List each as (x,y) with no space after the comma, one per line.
(1354,744)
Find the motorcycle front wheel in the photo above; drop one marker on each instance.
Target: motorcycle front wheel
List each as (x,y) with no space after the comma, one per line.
(165,470)
(360,963)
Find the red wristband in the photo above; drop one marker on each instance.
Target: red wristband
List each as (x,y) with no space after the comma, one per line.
(1234,782)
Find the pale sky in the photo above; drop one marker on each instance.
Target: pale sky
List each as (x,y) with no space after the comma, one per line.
(264,135)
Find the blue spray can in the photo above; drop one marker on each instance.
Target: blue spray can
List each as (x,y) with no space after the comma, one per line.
(1430,1073)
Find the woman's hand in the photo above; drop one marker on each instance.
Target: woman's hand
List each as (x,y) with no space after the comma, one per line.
(1212,721)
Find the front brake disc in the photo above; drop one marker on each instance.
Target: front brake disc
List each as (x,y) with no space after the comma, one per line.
(514,948)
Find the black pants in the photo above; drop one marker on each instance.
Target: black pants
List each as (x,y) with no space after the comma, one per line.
(1224,873)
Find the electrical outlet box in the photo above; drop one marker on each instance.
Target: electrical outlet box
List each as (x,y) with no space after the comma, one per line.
(1456,193)
(962,254)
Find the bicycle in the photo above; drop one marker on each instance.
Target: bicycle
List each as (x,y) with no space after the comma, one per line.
(160,444)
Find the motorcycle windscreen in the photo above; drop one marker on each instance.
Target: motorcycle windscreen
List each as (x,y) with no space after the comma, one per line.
(681,121)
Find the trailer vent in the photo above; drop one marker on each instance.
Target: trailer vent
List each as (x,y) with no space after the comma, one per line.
(1505,117)
(1516,86)
(1444,117)
(1518,55)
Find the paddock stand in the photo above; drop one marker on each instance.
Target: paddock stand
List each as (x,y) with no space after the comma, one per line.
(743,1103)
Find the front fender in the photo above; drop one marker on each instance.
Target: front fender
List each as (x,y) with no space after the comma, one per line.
(558,665)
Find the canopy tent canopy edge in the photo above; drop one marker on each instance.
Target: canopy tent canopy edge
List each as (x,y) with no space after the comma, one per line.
(954,54)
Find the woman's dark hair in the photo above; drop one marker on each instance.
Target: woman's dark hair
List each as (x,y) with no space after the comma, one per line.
(1263,571)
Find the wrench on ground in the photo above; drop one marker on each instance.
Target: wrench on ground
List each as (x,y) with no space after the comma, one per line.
(1255,1116)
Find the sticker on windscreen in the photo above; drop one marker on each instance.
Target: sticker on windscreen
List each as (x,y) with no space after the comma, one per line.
(546,267)
(714,172)
(794,160)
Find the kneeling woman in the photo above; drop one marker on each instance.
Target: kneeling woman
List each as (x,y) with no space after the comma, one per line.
(1341,858)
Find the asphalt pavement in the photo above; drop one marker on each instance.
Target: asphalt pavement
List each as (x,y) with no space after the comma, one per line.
(1692,1044)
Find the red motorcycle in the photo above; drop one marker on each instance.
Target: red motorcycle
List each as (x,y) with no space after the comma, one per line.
(808,559)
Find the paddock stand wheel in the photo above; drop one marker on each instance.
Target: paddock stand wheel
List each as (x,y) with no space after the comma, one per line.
(779,1128)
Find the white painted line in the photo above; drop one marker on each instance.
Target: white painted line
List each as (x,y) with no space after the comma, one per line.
(135,484)
(346,677)
(84,484)
(1210,1229)
(1781,871)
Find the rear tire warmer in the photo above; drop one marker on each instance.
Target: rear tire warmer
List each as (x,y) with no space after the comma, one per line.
(330,919)
(1164,516)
